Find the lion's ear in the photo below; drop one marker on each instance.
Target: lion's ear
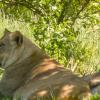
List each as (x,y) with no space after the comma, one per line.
(17,37)
(6,31)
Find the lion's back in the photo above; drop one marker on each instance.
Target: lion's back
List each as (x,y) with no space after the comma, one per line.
(58,83)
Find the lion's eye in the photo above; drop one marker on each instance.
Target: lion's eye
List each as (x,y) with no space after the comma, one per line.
(2,44)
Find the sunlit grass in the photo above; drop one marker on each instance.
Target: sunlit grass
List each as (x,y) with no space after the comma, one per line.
(95,97)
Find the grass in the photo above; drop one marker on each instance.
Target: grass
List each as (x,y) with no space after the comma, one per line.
(94,97)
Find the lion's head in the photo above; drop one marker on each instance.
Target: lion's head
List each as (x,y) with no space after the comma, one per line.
(8,43)
(14,48)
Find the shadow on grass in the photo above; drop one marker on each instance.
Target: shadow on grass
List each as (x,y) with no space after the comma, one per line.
(5,98)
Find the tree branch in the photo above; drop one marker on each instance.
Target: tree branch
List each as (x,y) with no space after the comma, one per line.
(78,13)
(26,4)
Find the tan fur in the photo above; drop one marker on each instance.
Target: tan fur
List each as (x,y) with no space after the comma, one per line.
(31,74)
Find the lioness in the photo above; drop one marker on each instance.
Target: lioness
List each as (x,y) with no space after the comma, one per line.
(31,74)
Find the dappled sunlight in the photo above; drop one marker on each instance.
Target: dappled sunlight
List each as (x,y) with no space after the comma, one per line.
(95,81)
(66,90)
(44,66)
(50,75)
(42,93)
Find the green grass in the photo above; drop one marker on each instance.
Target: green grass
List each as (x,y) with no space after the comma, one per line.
(94,97)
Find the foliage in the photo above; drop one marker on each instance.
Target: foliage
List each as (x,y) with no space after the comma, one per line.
(57,10)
